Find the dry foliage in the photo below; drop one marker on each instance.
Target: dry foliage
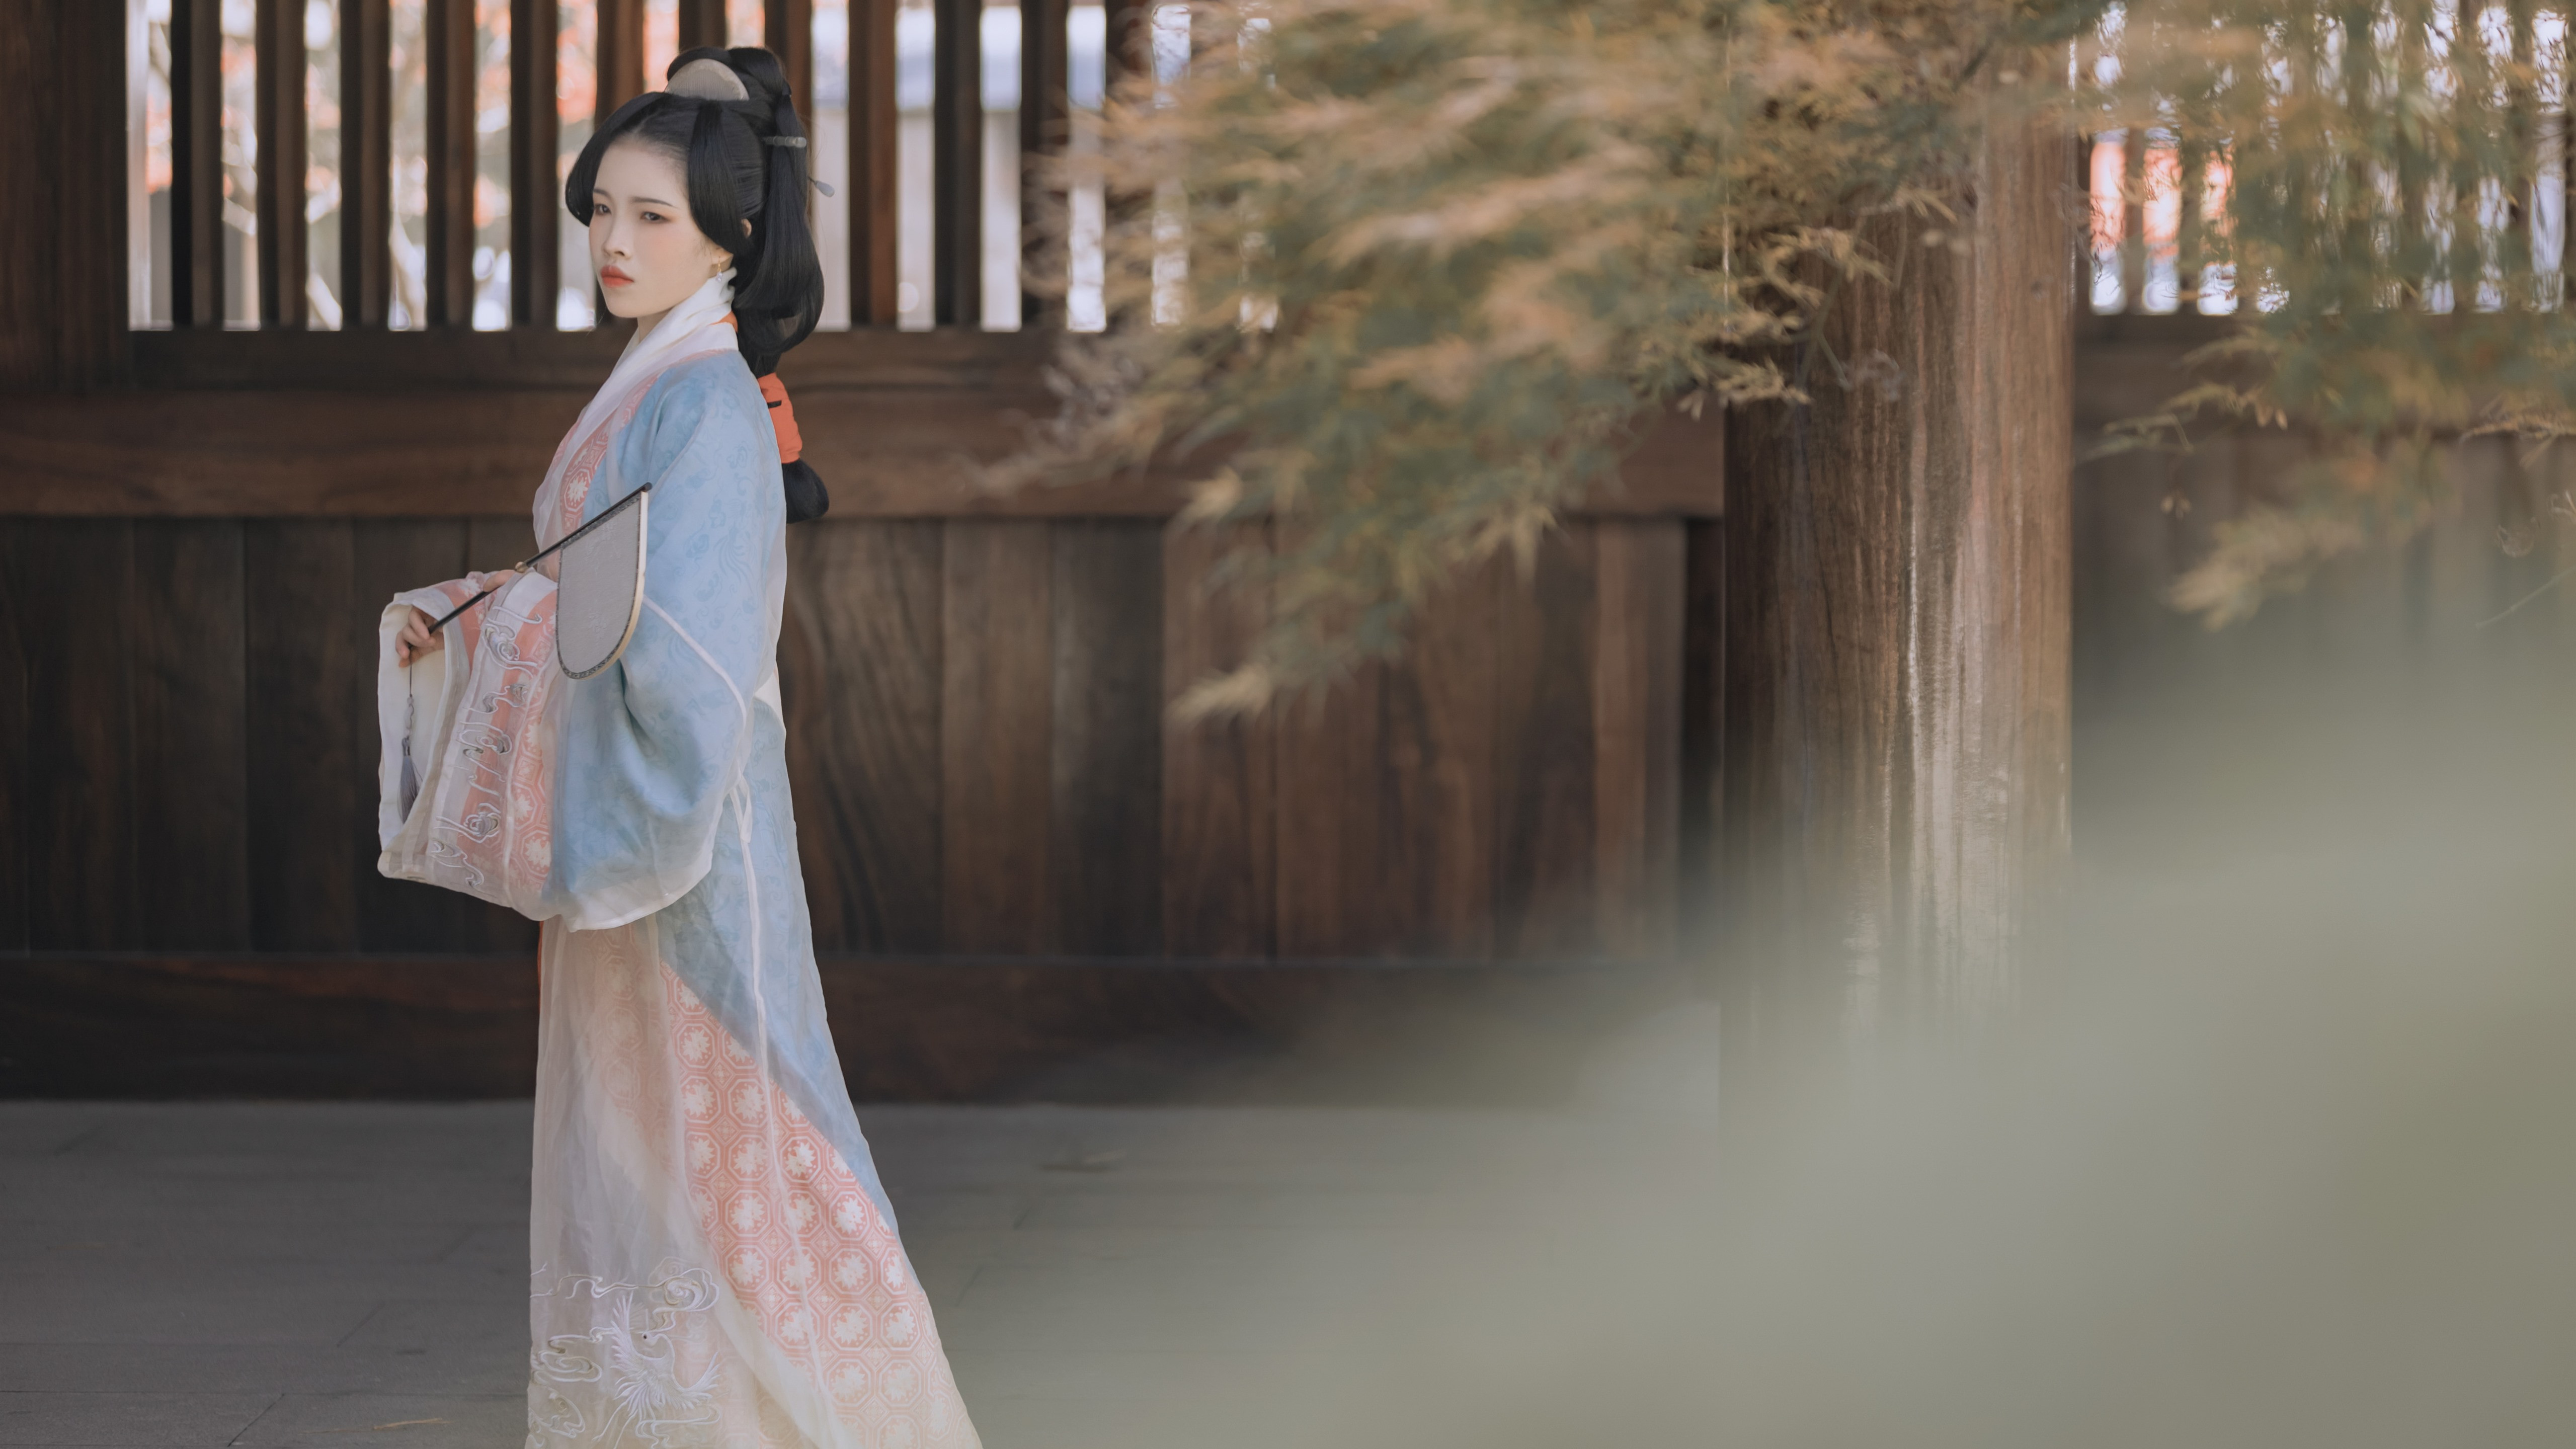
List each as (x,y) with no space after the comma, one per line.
(1415,271)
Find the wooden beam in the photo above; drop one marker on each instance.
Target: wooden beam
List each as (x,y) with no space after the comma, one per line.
(448,36)
(278,116)
(366,163)
(536,195)
(889,452)
(196,164)
(957,152)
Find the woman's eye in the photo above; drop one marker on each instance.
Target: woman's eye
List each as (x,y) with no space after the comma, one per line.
(652,216)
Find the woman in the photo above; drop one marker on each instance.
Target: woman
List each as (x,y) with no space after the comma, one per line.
(714,1261)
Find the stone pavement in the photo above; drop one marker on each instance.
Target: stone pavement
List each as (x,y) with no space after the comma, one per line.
(282,1275)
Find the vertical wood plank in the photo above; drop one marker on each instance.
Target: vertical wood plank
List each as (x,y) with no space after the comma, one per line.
(191,796)
(873,199)
(957,151)
(1546,752)
(493,543)
(75,586)
(1636,731)
(1703,741)
(197,164)
(621,55)
(17,833)
(388,556)
(996,736)
(366,171)
(536,197)
(278,122)
(859,664)
(309,636)
(1106,857)
(447,34)
(1220,834)
(1386,801)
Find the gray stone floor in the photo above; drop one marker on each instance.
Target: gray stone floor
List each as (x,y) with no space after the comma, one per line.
(271,1276)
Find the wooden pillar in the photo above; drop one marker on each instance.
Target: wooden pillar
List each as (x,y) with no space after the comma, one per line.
(536,192)
(1897,606)
(702,22)
(787,31)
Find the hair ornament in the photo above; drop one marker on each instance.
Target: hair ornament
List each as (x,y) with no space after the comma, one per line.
(796,141)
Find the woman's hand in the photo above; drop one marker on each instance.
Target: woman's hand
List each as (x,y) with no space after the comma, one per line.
(416,640)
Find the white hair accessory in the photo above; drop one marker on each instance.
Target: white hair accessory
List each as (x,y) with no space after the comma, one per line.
(708,80)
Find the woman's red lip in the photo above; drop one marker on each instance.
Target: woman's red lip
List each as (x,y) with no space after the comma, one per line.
(615,278)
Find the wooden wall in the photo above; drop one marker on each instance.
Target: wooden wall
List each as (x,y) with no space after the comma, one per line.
(977,734)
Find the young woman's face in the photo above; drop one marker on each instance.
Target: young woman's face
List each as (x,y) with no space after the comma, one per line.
(646,251)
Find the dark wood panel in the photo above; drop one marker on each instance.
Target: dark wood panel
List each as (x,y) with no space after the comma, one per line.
(191,796)
(1220,831)
(310,651)
(859,665)
(996,736)
(387,557)
(1636,732)
(908,1029)
(76,597)
(498,542)
(1386,802)
(16,833)
(1107,805)
(1548,837)
(1703,727)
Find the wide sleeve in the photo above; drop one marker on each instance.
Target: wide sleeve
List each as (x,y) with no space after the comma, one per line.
(651,750)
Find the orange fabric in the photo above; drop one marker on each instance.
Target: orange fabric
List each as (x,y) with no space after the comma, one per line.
(782,413)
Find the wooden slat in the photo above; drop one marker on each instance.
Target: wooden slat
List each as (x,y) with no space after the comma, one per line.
(498,541)
(366,164)
(197,167)
(28,186)
(859,663)
(702,22)
(1546,761)
(75,603)
(278,120)
(1220,831)
(309,650)
(447,33)
(1043,118)
(957,151)
(191,796)
(17,833)
(872,190)
(1636,732)
(1107,856)
(996,736)
(621,55)
(1386,801)
(787,31)
(536,196)
(389,556)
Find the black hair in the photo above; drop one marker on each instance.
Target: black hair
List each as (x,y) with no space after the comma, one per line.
(737,171)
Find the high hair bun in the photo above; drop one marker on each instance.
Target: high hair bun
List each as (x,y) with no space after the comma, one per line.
(708,79)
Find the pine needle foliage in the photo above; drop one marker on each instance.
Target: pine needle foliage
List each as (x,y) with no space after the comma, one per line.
(1406,277)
